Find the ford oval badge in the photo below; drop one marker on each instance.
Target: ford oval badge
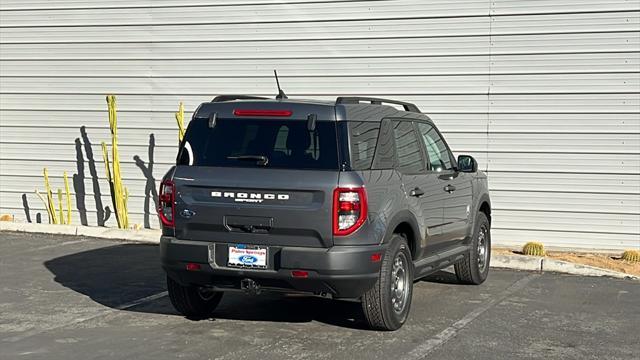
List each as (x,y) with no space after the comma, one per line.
(248,259)
(187,214)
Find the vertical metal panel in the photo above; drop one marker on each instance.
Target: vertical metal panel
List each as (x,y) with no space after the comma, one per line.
(545,94)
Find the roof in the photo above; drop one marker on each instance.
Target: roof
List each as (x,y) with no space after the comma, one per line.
(343,108)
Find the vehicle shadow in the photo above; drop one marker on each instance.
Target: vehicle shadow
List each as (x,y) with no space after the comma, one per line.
(113,275)
(442,277)
(118,275)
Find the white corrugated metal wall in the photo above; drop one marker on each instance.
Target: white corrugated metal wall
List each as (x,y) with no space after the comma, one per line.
(545,94)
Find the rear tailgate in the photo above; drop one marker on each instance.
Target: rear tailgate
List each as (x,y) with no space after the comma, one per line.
(262,206)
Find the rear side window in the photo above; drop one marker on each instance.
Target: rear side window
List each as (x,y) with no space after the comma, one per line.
(410,160)
(363,140)
(285,144)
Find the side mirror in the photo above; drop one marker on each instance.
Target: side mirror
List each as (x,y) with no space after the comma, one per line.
(466,163)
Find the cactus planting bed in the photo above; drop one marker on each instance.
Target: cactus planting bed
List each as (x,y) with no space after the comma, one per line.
(603,261)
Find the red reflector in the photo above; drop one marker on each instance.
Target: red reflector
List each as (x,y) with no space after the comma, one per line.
(193,267)
(252,112)
(376,257)
(299,274)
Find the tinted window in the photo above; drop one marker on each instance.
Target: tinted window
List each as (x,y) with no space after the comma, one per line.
(407,148)
(241,142)
(437,151)
(364,137)
(385,156)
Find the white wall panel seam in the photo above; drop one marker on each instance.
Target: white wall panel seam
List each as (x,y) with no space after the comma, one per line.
(308,19)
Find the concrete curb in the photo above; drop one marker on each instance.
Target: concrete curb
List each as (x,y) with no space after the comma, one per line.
(143,235)
(516,262)
(536,263)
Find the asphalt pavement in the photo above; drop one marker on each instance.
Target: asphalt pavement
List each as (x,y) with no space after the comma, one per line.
(83,298)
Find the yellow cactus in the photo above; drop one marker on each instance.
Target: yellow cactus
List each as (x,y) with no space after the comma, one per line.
(60,206)
(107,166)
(51,208)
(533,248)
(180,120)
(66,188)
(119,193)
(631,255)
(56,214)
(44,201)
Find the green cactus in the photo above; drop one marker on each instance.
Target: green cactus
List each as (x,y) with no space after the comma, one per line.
(533,248)
(631,255)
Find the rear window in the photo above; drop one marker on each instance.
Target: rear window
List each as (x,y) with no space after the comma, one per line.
(285,144)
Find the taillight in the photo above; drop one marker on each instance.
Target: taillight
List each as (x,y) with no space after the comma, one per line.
(166,203)
(349,210)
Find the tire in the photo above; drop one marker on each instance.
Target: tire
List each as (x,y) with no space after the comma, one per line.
(192,301)
(474,268)
(384,308)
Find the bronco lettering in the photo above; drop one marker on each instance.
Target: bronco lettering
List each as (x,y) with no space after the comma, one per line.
(249,197)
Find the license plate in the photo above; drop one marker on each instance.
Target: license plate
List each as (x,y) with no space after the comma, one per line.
(248,257)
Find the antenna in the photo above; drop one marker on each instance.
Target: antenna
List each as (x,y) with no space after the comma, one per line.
(281,95)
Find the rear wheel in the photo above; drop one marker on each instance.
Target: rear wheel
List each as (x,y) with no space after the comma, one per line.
(474,268)
(193,301)
(386,305)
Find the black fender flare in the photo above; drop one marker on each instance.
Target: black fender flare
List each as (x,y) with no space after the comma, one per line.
(476,208)
(483,198)
(404,216)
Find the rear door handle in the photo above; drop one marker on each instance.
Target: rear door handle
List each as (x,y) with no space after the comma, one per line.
(417,192)
(449,188)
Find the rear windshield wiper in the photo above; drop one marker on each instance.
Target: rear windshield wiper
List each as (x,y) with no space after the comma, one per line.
(261,159)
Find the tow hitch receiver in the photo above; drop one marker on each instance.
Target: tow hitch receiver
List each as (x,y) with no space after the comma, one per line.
(250,287)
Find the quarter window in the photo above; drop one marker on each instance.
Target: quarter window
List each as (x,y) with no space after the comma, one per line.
(437,151)
(364,137)
(385,154)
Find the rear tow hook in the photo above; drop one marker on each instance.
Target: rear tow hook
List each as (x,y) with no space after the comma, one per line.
(250,287)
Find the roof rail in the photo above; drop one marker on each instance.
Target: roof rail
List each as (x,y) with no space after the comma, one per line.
(221,98)
(376,101)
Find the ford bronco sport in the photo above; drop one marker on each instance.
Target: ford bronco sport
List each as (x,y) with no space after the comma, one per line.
(349,199)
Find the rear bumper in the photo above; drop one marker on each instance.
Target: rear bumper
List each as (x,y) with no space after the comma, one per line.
(342,271)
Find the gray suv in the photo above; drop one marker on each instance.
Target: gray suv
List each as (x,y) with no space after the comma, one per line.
(355,199)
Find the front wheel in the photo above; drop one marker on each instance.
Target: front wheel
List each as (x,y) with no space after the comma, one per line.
(386,305)
(192,301)
(474,268)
